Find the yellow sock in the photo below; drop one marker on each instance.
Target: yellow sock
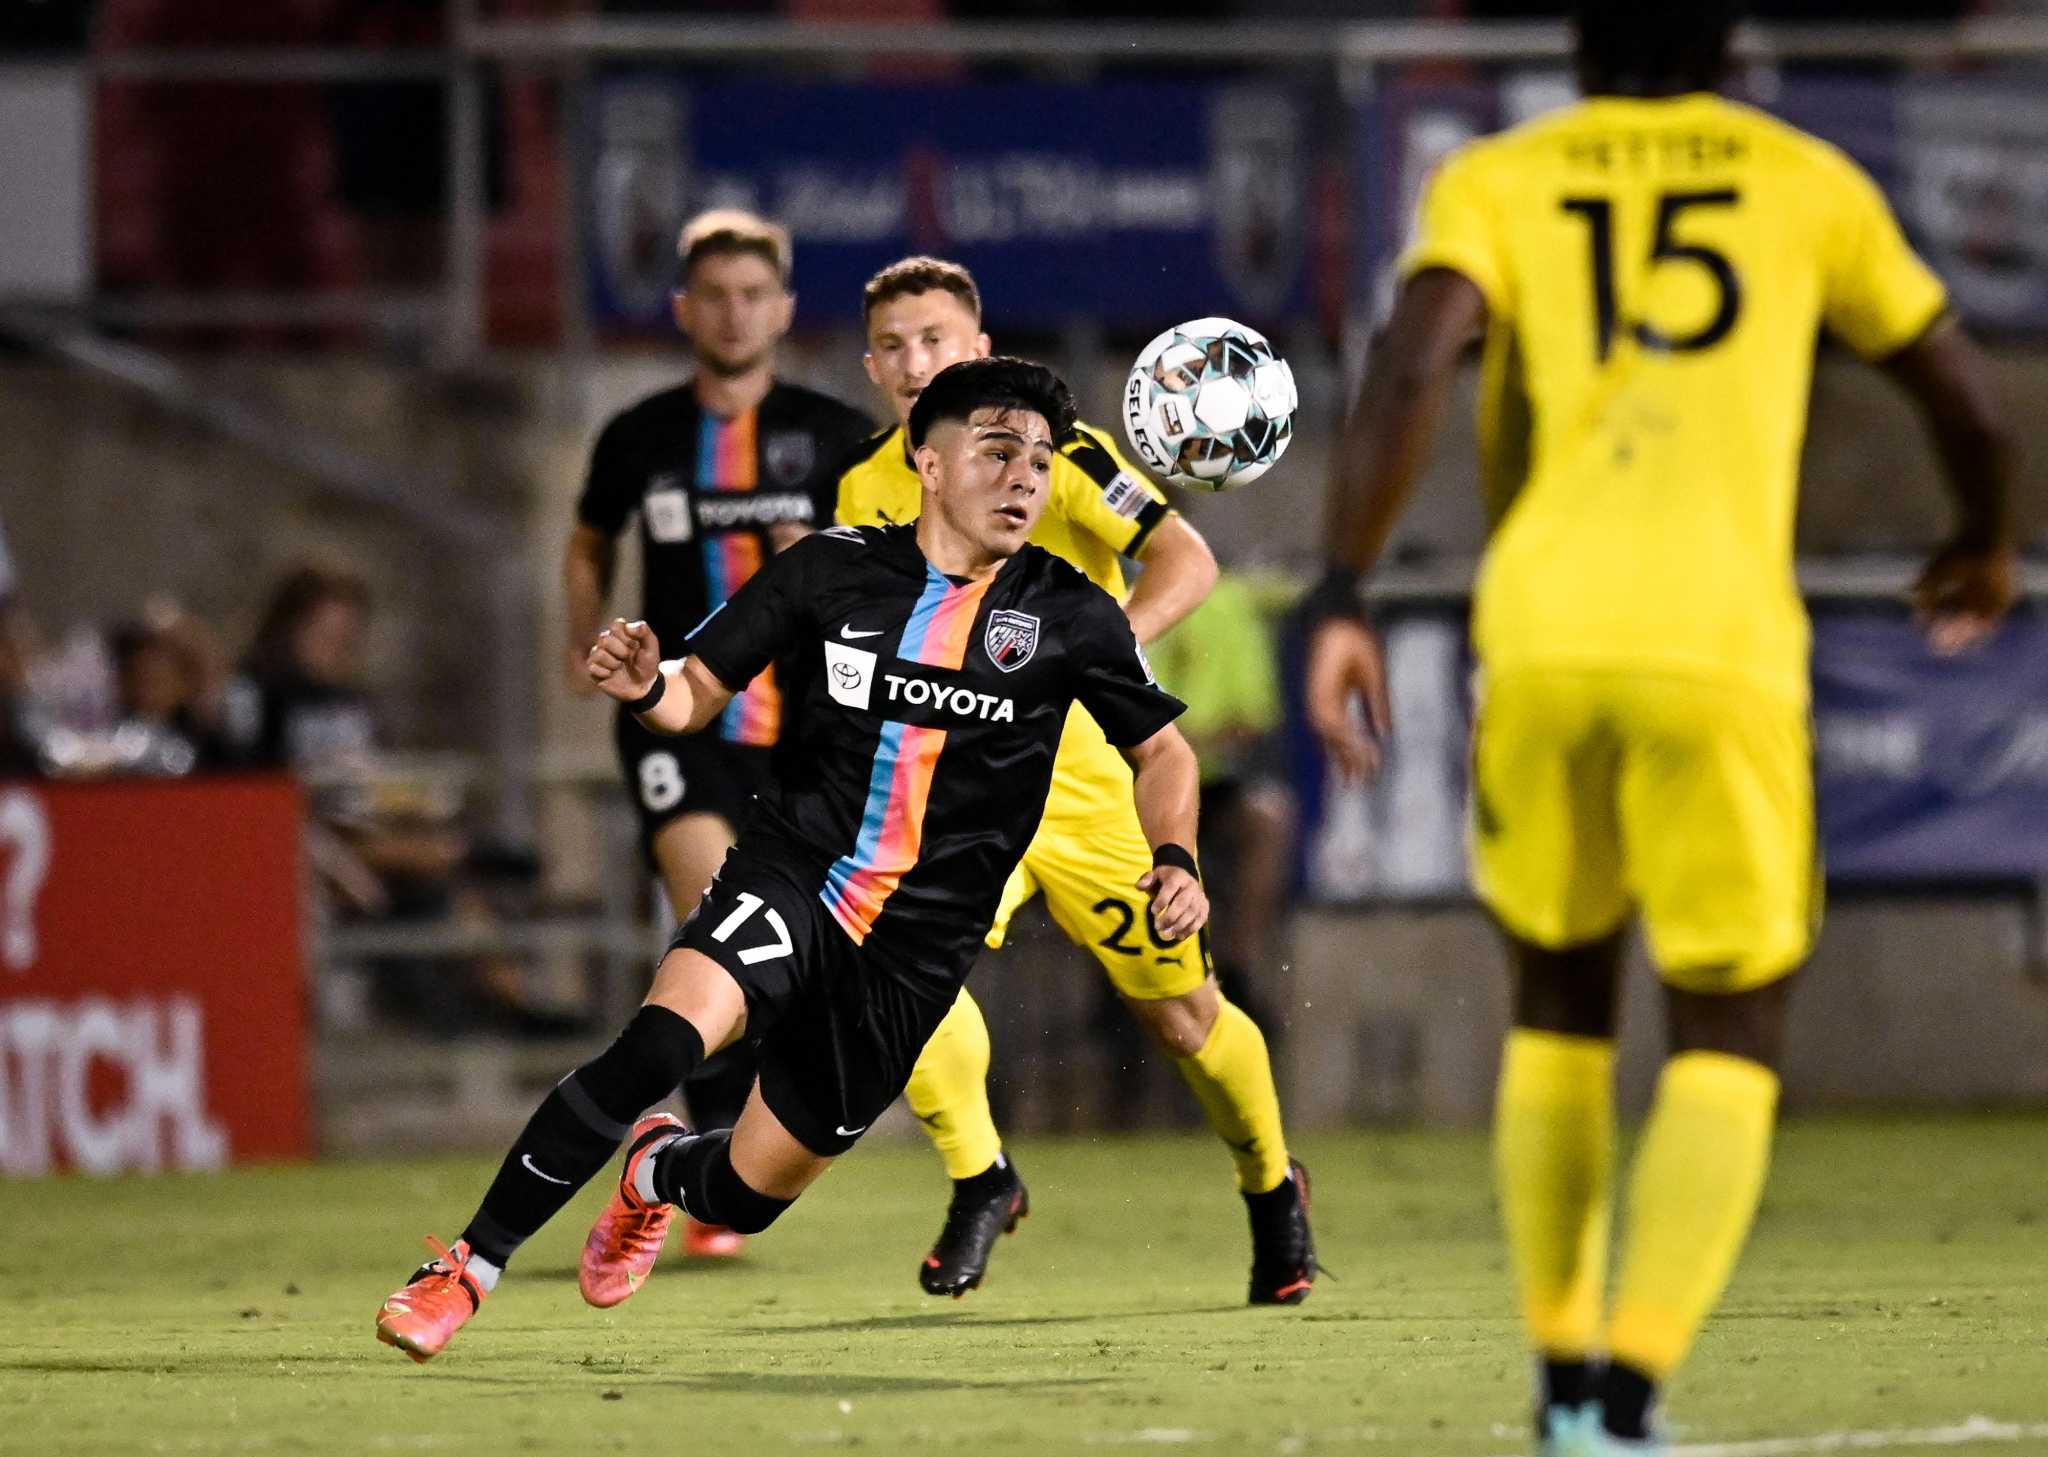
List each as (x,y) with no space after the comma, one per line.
(949,1091)
(1553,1156)
(1692,1198)
(1232,1078)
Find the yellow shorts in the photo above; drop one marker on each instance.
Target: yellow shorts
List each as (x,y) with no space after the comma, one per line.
(1691,801)
(1087,857)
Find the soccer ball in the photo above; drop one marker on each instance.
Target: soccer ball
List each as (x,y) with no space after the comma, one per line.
(1209,405)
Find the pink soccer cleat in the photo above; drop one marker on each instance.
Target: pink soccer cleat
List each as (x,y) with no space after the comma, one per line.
(620,1252)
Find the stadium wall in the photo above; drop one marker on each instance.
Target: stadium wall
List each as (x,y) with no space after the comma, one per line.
(1396,1016)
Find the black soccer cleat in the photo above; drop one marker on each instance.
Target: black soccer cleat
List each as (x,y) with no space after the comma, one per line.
(1284,1267)
(983,1207)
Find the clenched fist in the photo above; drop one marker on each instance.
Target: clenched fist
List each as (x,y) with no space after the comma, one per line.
(1964,594)
(625,660)
(1180,907)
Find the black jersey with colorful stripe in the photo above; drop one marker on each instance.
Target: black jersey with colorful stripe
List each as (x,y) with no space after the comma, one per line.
(707,491)
(924,717)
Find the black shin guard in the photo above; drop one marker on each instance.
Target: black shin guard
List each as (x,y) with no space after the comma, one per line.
(1627,1395)
(697,1175)
(579,1125)
(717,1091)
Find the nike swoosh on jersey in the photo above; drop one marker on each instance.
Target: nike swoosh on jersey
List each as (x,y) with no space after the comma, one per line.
(845,1132)
(848,632)
(526,1162)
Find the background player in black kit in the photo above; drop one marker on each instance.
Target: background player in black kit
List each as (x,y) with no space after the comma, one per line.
(723,471)
(933,667)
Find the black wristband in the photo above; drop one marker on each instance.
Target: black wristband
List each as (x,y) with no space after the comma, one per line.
(646,701)
(1172,854)
(1335,595)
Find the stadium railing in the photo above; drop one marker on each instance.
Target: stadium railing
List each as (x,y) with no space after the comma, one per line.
(566,51)
(583,951)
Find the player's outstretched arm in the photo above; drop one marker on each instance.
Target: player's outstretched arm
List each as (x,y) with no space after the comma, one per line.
(1167,791)
(1970,582)
(670,698)
(1180,571)
(1388,435)
(1386,440)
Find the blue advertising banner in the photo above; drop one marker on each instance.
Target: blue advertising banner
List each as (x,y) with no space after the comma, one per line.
(1930,768)
(1402,837)
(1123,202)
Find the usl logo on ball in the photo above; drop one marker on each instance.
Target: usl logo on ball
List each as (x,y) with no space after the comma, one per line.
(1209,405)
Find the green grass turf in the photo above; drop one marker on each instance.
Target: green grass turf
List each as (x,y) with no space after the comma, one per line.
(1897,1280)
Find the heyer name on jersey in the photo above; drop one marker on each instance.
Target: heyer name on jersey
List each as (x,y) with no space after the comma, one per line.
(950,699)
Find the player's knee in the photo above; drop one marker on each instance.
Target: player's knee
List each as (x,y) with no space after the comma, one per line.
(1574,990)
(1747,1024)
(960,1041)
(703,993)
(1269,812)
(1182,1024)
(644,1064)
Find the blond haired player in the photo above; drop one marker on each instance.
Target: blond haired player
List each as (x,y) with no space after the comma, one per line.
(1089,854)
(722,471)
(1650,268)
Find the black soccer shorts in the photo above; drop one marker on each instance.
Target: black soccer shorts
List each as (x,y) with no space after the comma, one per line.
(670,775)
(838,1027)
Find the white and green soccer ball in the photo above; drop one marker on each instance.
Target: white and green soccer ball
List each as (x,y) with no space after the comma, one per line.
(1209,405)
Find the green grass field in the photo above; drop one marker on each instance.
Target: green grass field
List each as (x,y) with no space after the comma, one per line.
(1897,1285)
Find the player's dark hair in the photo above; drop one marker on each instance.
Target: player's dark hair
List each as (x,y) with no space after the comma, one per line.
(301,590)
(920,274)
(998,383)
(1653,47)
(728,230)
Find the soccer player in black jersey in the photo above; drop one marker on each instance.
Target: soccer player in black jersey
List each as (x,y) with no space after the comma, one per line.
(933,667)
(723,471)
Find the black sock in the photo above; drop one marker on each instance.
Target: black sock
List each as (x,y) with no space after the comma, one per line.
(994,1179)
(716,1092)
(1275,1203)
(578,1127)
(1626,1396)
(696,1174)
(1562,1383)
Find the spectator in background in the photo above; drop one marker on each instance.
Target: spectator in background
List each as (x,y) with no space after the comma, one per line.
(169,681)
(394,854)
(1222,662)
(17,746)
(299,703)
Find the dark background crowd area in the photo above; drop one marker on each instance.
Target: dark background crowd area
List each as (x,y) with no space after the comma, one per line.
(74,25)
(156,693)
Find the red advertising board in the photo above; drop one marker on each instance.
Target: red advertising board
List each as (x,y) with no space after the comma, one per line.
(152,985)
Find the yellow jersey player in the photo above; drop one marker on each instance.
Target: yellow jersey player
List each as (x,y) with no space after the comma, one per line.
(1089,853)
(1650,267)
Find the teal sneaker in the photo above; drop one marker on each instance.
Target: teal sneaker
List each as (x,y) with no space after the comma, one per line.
(1561,1427)
(1592,1439)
